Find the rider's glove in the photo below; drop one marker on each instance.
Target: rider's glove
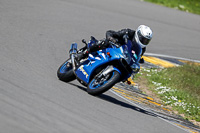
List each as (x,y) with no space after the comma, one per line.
(112,40)
(103,43)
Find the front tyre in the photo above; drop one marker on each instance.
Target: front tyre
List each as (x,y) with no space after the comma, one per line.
(65,71)
(100,84)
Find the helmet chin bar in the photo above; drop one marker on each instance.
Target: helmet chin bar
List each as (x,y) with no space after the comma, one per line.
(138,41)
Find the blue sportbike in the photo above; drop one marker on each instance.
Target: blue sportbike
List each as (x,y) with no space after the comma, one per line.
(102,69)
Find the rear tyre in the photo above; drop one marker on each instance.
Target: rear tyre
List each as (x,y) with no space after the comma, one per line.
(65,72)
(99,85)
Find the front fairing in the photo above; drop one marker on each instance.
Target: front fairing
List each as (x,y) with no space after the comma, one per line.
(131,53)
(135,51)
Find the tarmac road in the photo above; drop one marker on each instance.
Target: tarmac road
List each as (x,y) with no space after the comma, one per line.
(35,36)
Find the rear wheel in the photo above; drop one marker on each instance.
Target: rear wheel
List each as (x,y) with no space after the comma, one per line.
(65,71)
(100,84)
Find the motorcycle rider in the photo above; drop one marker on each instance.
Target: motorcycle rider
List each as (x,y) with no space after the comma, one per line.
(142,36)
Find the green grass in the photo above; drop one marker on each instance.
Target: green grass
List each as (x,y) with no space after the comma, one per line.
(178,87)
(192,6)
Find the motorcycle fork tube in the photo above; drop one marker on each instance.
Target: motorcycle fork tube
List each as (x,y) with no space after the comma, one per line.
(73,62)
(107,70)
(73,52)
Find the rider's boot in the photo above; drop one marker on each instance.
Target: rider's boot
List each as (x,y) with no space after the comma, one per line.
(141,60)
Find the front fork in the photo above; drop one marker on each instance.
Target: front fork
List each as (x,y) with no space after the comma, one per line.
(108,69)
(73,52)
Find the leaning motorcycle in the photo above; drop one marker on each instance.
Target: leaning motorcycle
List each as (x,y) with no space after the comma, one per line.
(102,69)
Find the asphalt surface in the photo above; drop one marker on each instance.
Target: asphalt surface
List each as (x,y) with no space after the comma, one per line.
(35,36)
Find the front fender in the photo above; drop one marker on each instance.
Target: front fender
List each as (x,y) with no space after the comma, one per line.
(116,69)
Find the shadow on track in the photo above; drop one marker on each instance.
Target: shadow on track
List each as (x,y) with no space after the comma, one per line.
(117,102)
(124,104)
(80,87)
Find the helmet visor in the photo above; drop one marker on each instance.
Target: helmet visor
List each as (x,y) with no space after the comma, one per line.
(142,39)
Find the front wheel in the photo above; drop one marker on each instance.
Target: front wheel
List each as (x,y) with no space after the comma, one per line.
(65,71)
(100,84)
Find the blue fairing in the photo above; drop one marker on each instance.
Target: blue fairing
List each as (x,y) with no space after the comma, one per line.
(95,60)
(100,58)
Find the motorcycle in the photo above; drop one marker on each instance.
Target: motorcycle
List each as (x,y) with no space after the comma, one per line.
(103,68)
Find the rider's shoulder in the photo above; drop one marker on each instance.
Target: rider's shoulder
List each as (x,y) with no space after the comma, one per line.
(127,30)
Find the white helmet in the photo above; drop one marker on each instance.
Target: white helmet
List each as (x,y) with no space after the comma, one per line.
(143,35)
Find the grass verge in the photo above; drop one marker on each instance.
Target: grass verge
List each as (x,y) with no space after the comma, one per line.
(177,87)
(192,6)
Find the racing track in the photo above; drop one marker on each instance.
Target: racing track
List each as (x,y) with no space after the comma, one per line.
(35,37)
